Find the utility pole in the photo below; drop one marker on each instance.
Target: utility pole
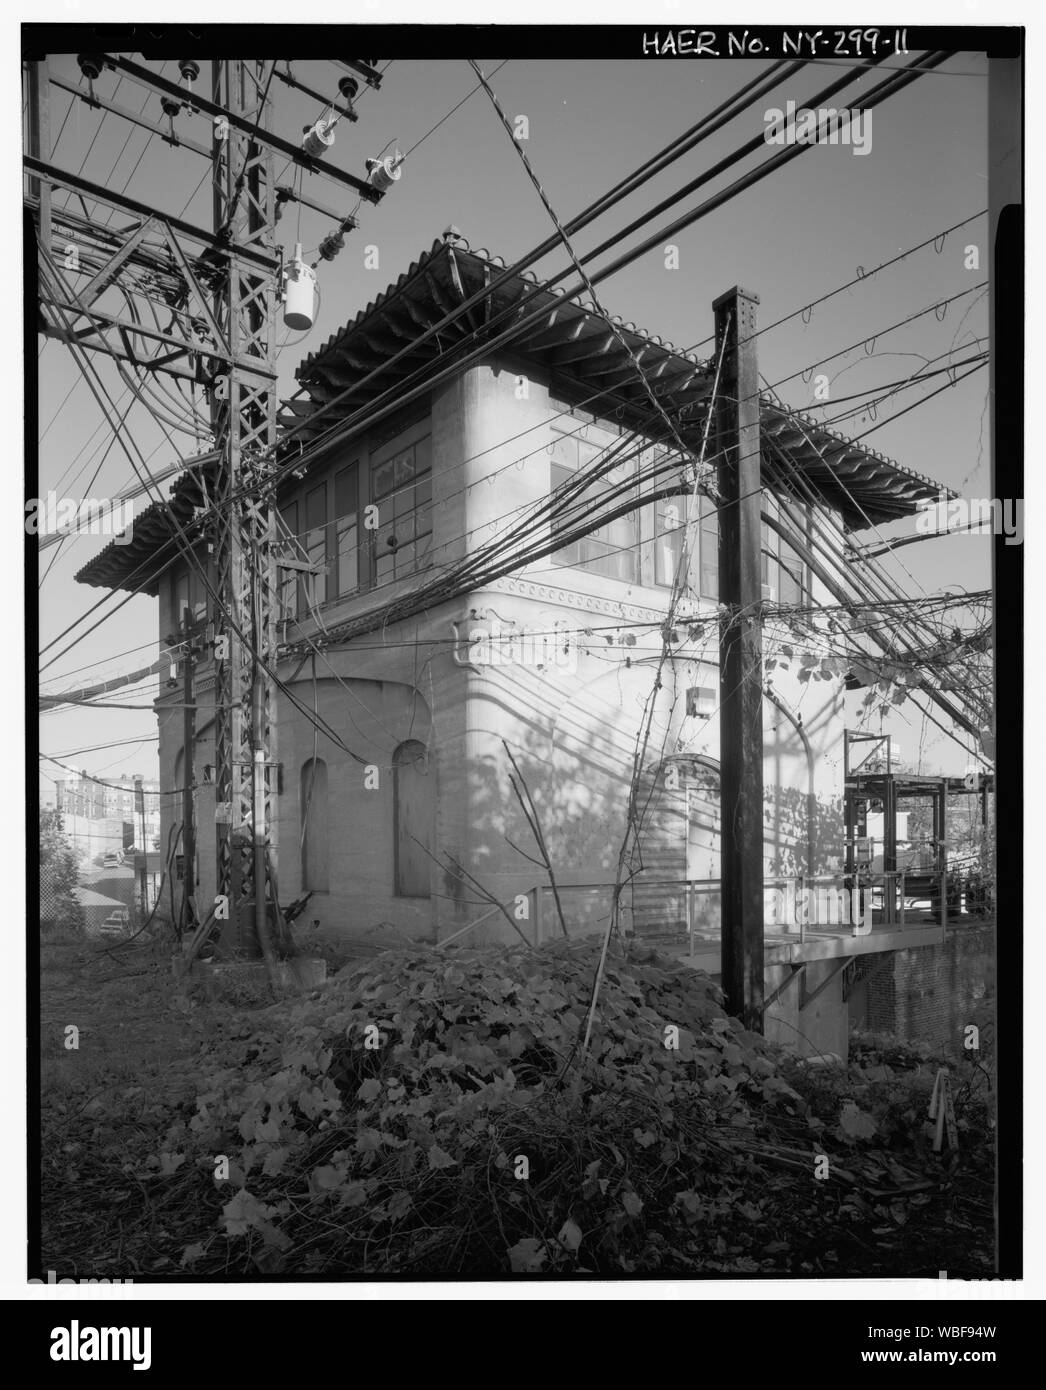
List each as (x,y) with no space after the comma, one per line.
(243,412)
(219,288)
(736,430)
(188,909)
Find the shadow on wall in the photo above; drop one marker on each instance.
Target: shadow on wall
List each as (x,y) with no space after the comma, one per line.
(578,775)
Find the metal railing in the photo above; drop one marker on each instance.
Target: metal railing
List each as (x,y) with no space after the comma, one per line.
(691,908)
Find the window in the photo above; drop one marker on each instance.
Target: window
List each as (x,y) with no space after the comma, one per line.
(289,579)
(346,570)
(645,546)
(612,549)
(783,569)
(314,542)
(669,529)
(315,820)
(413,805)
(188,590)
(180,598)
(401,489)
(709,542)
(326,527)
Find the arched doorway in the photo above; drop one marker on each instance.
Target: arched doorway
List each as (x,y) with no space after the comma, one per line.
(315,825)
(678,889)
(414,808)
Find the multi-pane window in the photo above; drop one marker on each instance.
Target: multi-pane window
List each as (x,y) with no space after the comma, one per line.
(314,542)
(401,489)
(288,579)
(188,590)
(783,569)
(669,529)
(610,550)
(325,523)
(644,546)
(346,570)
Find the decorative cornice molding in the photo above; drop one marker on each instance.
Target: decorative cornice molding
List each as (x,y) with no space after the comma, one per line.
(571,598)
(589,603)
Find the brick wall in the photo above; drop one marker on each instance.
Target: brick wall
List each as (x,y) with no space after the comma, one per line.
(929,994)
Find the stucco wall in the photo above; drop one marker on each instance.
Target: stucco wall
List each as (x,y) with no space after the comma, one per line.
(572,721)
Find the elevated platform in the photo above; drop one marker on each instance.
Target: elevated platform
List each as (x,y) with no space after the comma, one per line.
(839,943)
(786,948)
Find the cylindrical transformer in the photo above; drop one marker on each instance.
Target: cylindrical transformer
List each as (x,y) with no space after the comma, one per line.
(299,294)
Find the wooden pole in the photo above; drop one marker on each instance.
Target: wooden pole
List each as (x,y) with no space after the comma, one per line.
(736,424)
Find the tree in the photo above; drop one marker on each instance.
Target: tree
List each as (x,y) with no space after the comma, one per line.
(59,906)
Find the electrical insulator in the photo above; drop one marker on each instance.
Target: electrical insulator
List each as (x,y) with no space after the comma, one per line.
(170,107)
(91,65)
(335,241)
(331,245)
(190,71)
(318,138)
(383,173)
(348,87)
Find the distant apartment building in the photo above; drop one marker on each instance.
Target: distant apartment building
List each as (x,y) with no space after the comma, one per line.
(112,799)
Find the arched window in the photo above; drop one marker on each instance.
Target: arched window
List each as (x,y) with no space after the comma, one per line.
(315,819)
(414,804)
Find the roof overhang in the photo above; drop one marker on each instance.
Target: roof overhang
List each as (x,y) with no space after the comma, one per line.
(568,343)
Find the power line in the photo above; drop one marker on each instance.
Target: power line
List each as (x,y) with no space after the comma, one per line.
(403,392)
(704,128)
(472,92)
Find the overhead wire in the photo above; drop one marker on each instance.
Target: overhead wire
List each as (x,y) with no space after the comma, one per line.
(186,549)
(403,392)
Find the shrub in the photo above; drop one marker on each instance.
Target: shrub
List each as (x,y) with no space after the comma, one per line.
(427,1112)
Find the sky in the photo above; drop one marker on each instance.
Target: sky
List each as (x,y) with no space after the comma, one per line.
(792,238)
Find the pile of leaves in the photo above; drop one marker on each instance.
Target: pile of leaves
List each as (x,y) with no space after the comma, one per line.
(434,1113)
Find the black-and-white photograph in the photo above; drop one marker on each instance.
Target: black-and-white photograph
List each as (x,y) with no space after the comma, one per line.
(524,582)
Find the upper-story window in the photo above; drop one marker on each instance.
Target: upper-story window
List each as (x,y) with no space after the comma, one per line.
(326,523)
(401,489)
(188,590)
(645,545)
(612,549)
(784,572)
(324,526)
